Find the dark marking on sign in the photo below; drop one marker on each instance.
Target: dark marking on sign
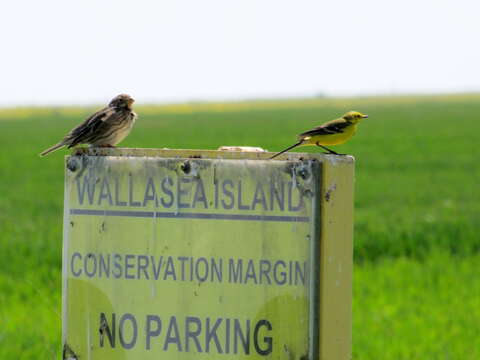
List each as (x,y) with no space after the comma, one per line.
(303,171)
(68,353)
(328,193)
(105,329)
(72,164)
(186,167)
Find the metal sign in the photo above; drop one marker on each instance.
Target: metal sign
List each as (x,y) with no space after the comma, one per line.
(167,256)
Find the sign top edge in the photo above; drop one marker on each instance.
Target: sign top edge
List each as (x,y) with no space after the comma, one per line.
(209,154)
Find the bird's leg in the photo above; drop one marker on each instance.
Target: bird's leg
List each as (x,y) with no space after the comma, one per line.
(330,151)
(106,146)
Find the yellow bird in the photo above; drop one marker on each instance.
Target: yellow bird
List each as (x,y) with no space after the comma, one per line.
(333,132)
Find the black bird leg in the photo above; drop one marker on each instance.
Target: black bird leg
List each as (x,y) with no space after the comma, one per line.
(330,151)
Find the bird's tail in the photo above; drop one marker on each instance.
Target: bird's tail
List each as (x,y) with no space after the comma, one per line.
(53,148)
(289,148)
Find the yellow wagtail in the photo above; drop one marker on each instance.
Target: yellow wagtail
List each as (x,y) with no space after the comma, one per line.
(333,132)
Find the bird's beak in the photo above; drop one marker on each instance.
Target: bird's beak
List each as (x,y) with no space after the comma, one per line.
(131,101)
(365,116)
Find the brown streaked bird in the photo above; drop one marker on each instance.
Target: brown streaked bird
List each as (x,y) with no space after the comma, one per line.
(105,128)
(333,132)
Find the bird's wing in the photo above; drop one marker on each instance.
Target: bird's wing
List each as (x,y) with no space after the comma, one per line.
(336,126)
(91,126)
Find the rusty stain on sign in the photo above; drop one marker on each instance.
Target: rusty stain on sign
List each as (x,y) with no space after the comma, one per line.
(329,192)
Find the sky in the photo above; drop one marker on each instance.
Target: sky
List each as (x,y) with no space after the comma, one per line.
(56,52)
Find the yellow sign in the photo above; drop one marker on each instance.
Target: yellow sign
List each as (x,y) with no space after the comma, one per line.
(168,257)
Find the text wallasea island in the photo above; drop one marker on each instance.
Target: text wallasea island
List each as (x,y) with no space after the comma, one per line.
(170,192)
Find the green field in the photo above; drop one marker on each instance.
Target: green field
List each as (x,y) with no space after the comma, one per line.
(417,213)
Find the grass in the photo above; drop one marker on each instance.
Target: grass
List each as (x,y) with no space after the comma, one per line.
(405,309)
(417,205)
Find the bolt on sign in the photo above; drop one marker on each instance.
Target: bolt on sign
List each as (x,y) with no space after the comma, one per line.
(207,255)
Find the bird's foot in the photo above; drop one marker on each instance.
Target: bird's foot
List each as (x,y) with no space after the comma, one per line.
(335,153)
(106,146)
